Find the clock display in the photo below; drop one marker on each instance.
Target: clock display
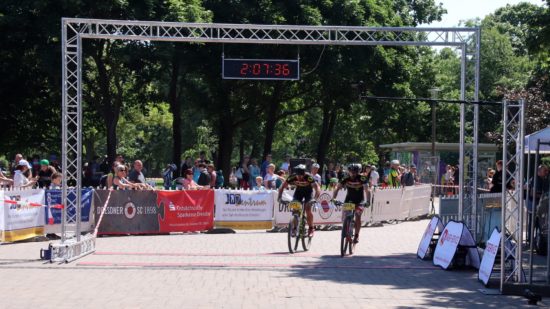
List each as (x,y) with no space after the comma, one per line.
(260,69)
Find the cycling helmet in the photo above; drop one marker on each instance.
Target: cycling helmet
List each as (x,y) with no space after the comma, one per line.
(355,167)
(299,169)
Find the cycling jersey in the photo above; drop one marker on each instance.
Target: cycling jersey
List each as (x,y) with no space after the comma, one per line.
(355,186)
(303,189)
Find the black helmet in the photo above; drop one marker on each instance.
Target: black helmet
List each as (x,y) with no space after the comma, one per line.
(355,167)
(299,169)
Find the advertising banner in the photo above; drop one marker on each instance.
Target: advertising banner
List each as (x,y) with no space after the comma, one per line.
(435,224)
(326,212)
(20,220)
(447,244)
(240,209)
(185,210)
(128,212)
(489,255)
(387,205)
(416,200)
(53,197)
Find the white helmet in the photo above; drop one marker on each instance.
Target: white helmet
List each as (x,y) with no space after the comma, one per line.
(395,162)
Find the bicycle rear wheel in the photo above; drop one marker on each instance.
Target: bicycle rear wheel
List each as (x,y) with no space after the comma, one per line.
(351,230)
(293,241)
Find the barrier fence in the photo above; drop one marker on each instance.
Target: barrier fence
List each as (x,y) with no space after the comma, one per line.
(157,212)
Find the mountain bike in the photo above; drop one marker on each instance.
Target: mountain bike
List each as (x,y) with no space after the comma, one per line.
(348,227)
(297,228)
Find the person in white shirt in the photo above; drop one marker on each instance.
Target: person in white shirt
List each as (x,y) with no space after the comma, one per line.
(285,166)
(315,173)
(19,179)
(374,176)
(270,178)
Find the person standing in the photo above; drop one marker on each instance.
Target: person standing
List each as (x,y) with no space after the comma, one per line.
(497,179)
(19,179)
(204,177)
(254,171)
(285,166)
(270,179)
(315,173)
(245,173)
(265,164)
(393,178)
(409,178)
(329,174)
(374,176)
(213,176)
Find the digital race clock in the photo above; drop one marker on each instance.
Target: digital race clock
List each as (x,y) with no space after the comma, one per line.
(260,69)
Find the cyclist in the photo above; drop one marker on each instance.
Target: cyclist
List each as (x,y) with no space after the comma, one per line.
(357,187)
(305,184)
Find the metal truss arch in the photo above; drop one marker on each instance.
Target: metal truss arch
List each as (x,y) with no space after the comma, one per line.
(74,30)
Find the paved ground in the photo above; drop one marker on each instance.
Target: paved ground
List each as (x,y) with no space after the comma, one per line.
(243,270)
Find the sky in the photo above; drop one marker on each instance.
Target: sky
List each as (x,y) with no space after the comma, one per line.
(458,10)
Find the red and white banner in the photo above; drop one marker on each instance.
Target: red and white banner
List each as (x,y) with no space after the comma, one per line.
(326,213)
(435,224)
(489,255)
(186,210)
(447,244)
(244,209)
(21,214)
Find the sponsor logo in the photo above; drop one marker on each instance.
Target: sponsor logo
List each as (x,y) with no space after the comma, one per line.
(130,210)
(238,200)
(446,237)
(171,206)
(325,211)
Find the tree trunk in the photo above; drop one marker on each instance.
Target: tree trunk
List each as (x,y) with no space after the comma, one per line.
(225,146)
(272,117)
(175,108)
(327,129)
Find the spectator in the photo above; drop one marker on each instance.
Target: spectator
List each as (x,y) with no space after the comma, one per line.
(5,181)
(489,179)
(254,171)
(315,173)
(121,182)
(56,181)
(19,178)
(265,164)
(204,177)
(233,181)
(374,176)
(202,157)
(270,177)
(259,184)
(394,177)
(332,183)
(497,179)
(104,166)
(280,179)
(35,163)
(456,176)
(537,193)
(245,173)
(188,182)
(449,175)
(285,166)
(329,173)
(111,175)
(186,164)
(16,160)
(212,173)
(120,159)
(136,175)
(196,170)
(410,178)
(340,172)
(168,175)
(55,163)
(220,180)
(45,174)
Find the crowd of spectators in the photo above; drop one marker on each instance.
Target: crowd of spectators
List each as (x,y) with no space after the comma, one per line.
(22,173)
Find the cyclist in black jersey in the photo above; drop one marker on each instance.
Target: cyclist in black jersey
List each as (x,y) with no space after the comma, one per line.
(305,184)
(357,187)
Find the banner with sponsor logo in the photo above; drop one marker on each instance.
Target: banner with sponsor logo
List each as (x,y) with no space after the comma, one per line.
(489,255)
(19,221)
(128,212)
(453,235)
(186,210)
(240,209)
(53,197)
(434,225)
(447,244)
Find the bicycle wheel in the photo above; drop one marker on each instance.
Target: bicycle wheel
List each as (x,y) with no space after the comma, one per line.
(343,239)
(292,226)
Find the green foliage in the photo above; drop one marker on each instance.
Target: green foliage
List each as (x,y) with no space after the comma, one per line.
(205,141)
